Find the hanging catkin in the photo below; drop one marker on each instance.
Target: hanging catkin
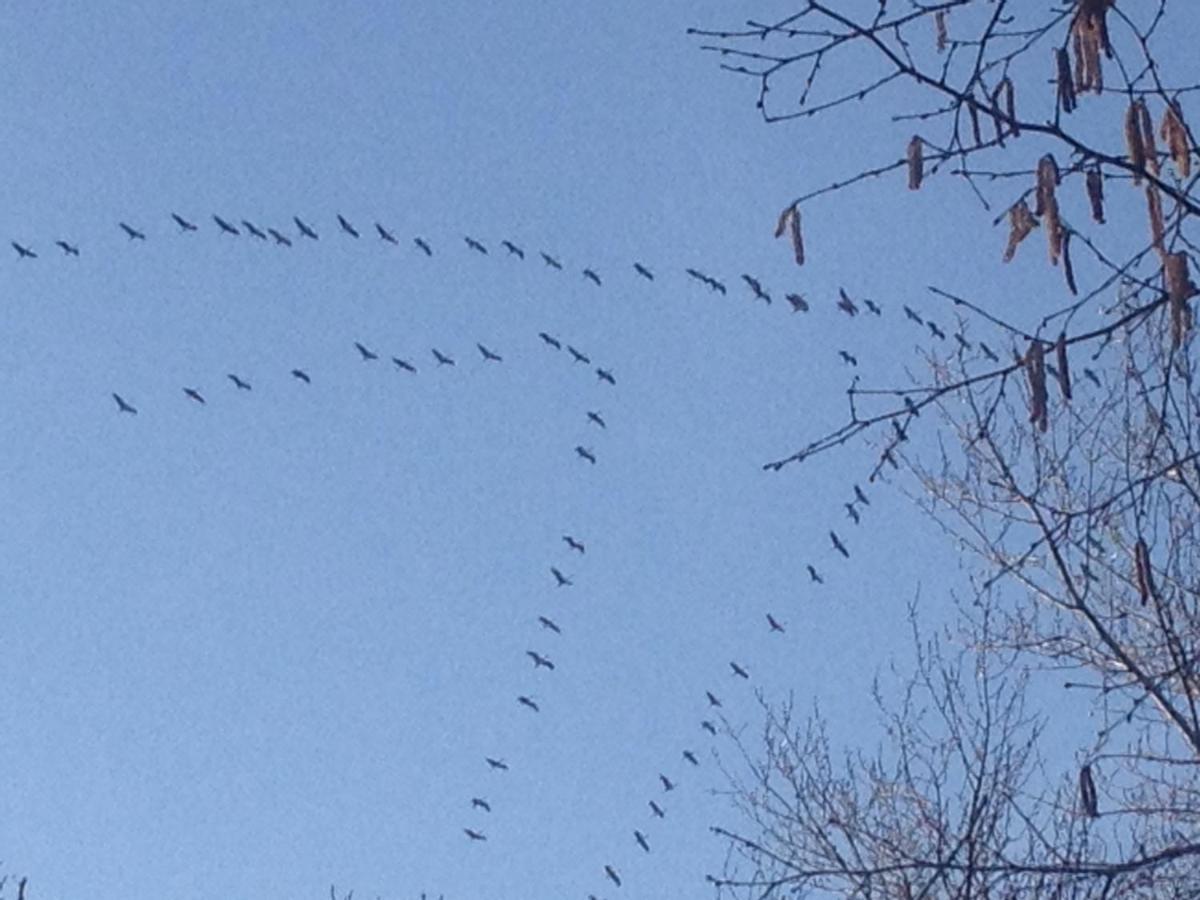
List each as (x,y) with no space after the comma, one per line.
(1066,84)
(1134,148)
(1020,223)
(939,24)
(1095,192)
(1064,370)
(1047,205)
(1008,95)
(789,221)
(1068,269)
(1035,370)
(1149,146)
(1179,291)
(916,163)
(1143,575)
(1175,136)
(1157,228)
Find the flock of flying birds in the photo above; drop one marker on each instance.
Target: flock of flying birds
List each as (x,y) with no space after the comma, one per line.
(574,547)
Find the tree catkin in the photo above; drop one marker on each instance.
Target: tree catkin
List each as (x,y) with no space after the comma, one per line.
(789,221)
(1175,136)
(1149,146)
(1134,148)
(916,163)
(1179,291)
(1157,227)
(1066,84)
(1020,223)
(1047,205)
(1095,192)
(1143,575)
(1064,370)
(1035,370)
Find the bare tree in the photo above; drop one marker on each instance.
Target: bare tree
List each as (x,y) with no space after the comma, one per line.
(1068,462)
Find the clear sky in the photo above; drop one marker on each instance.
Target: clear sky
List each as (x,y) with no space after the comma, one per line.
(263,645)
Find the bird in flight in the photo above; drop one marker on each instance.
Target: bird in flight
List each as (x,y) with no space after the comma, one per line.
(475,835)
(550,260)
(591,276)
(560,579)
(480,803)
(254,230)
(488,354)
(574,544)
(549,625)
(526,701)
(612,874)
(585,453)
(667,783)
(643,271)
(963,342)
(69,249)
(691,757)
(845,304)
(442,359)
(774,623)
(911,315)
(860,496)
(423,246)
(605,375)
(347,227)
(657,810)
(123,406)
(799,304)
(134,234)
(852,512)
(238,383)
(578,357)
(739,671)
(513,249)
(757,287)
(595,417)
(279,238)
(225,226)
(872,306)
(539,661)
(23,252)
(838,545)
(812,574)
(301,375)
(641,839)
(847,358)
(385,235)
(709,727)
(712,699)
(184,224)
(935,331)
(498,764)
(550,341)
(367,355)
(404,364)
(305,231)
(987,351)
(194,394)
(476,245)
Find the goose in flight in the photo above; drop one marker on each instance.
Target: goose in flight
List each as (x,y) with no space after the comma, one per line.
(134,234)
(847,358)
(550,261)
(301,375)
(404,364)
(560,579)
(845,304)
(577,356)
(667,783)
(838,545)
(643,271)
(194,394)
(860,496)
(585,453)
(709,727)
(963,342)
(346,226)
(385,235)
(475,835)
(812,574)
(442,359)
(657,810)
(774,623)
(852,512)
(550,341)
(605,375)
(123,406)
(305,231)
(713,701)
(935,331)
(423,246)
(513,249)
(911,315)
(691,757)
(225,226)
(69,249)
(254,230)
(488,355)
(539,661)
(279,238)
(641,839)
(476,245)
(23,252)
(739,671)
(367,355)
(756,286)
(549,624)
(612,875)
(238,382)
(574,544)
(497,764)
(596,417)
(480,803)
(799,304)
(184,224)
(592,277)
(526,701)
(872,306)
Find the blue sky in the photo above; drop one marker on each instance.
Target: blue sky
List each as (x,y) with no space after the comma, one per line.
(264,645)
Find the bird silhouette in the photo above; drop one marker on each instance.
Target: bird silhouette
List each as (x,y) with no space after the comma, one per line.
(845,304)
(480,803)
(194,394)
(774,623)
(539,661)
(225,226)
(68,249)
(346,226)
(712,699)
(305,231)
(549,624)
(184,224)
(987,351)
(560,579)
(385,235)
(667,783)
(838,545)
(612,874)
(134,234)
(911,315)
(935,331)
(691,757)
(709,727)
(526,701)
(577,356)
(442,359)
(595,417)
(717,286)
(962,341)
(254,230)
(301,375)
(238,382)
(423,246)
(1092,377)
(476,246)
(489,355)
(852,512)
(404,364)
(757,287)
(657,810)
(23,252)
(585,453)
(497,764)
(574,544)
(812,574)
(123,406)
(551,261)
(799,304)
(513,249)
(605,375)
(872,306)
(550,341)
(367,355)
(739,671)
(475,835)
(591,276)
(279,238)
(860,496)
(641,839)
(847,358)
(643,271)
